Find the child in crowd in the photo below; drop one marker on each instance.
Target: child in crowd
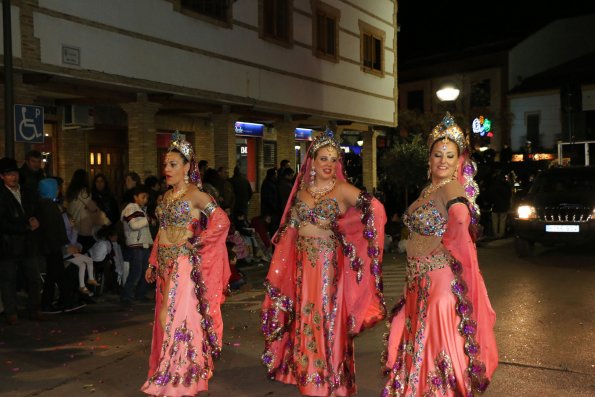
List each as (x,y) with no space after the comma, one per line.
(73,255)
(237,278)
(138,241)
(107,258)
(253,241)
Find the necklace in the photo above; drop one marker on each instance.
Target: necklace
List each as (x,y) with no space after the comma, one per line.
(176,195)
(317,194)
(432,188)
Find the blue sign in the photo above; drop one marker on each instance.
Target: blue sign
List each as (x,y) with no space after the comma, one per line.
(303,134)
(249,129)
(28,124)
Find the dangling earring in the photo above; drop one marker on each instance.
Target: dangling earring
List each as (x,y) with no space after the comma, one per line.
(312,176)
(429,173)
(186,178)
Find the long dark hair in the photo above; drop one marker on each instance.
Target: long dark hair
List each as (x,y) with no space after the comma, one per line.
(106,190)
(79,182)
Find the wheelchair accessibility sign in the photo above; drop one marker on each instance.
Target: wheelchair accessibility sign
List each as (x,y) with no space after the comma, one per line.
(28,123)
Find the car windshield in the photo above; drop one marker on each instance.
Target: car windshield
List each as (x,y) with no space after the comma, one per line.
(568,181)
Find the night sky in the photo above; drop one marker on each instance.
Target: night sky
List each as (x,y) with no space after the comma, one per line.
(429,27)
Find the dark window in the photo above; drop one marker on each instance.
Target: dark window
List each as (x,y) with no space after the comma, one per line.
(372,52)
(533,130)
(480,93)
(269,149)
(276,19)
(415,101)
(326,32)
(217,9)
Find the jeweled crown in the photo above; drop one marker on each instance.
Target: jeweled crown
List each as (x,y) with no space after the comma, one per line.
(327,138)
(448,129)
(180,144)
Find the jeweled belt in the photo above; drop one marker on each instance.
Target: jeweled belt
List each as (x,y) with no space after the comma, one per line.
(167,254)
(420,265)
(323,243)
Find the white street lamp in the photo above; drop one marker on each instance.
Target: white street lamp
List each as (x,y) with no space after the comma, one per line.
(448,93)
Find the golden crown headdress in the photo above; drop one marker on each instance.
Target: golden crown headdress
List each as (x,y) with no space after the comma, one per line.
(181,145)
(448,129)
(327,138)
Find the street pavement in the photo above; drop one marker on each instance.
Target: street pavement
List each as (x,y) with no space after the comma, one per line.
(545,333)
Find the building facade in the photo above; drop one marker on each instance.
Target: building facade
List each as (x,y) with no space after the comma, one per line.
(115,79)
(537,88)
(551,84)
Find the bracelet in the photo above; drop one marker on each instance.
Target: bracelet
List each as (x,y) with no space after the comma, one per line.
(209,208)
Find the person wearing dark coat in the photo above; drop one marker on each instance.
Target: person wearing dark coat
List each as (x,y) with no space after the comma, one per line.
(54,243)
(242,191)
(500,197)
(19,242)
(104,198)
(284,187)
(269,202)
(31,172)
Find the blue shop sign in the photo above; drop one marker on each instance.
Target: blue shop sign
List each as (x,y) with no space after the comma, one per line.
(303,134)
(249,129)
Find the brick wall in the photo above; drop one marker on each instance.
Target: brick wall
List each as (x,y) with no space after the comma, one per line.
(224,141)
(142,136)
(286,141)
(201,137)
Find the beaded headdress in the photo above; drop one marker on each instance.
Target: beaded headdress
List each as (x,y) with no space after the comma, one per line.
(448,129)
(327,138)
(181,145)
(185,148)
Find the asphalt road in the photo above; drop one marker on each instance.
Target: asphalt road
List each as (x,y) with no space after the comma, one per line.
(545,333)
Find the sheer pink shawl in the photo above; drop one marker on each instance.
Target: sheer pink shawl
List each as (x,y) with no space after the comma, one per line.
(361,231)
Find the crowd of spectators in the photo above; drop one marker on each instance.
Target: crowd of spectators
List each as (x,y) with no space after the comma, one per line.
(66,245)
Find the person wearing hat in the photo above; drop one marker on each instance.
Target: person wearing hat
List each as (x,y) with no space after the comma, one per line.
(18,245)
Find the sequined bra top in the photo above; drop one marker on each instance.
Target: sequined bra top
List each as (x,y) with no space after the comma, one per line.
(426,220)
(176,214)
(323,215)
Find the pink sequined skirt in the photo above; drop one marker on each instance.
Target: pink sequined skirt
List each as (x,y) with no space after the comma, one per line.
(184,365)
(319,358)
(426,351)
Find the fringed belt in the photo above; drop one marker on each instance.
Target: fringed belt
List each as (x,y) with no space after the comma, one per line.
(418,266)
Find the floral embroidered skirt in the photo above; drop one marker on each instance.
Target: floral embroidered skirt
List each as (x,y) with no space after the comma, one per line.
(181,353)
(319,356)
(426,352)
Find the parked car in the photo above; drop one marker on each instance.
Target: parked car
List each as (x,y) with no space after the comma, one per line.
(559,207)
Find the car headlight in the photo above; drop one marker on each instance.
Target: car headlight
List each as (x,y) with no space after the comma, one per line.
(526,212)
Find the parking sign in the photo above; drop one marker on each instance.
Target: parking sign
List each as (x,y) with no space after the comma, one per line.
(28,124)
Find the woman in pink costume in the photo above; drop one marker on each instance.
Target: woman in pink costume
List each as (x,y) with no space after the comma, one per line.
(324,283)
(441,340)
(189,262)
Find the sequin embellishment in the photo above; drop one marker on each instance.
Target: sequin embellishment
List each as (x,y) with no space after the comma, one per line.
(426,220)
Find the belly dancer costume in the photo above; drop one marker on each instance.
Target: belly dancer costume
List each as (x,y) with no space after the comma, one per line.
(322,291)
(441,340)
(181,361)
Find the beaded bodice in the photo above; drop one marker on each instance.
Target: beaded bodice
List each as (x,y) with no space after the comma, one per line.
(177,213)
(426,220)
(176,219)
(323,215)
